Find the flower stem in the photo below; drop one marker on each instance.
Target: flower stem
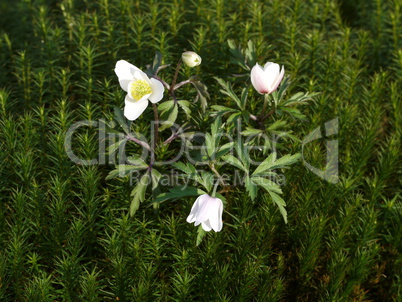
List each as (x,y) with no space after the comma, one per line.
(156,121)
(215,187)
(139,142)
(266,100)
(181,84)
(175,77)
(220,178)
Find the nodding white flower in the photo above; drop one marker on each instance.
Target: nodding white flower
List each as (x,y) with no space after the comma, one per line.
(267,79)
(139,89)
(191,59)
(207,211)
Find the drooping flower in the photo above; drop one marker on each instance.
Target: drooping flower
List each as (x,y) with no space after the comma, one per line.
(207,211)
(139,89)
(191,59)
(266,80)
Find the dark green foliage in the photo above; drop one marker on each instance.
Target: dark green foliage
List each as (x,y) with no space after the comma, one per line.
(65,231)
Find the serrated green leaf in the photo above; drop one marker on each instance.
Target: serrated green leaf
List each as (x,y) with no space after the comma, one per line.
(186,168)
(230,159)
(209,144)
(293,112)
(266,164)
(228,90)
(267,184)
(238,57)
(178,192)
(185,105)
(138,193)
(281,205)
(123,170)
(206,180)
(233,118)
(155,176)
(276,125)
(223,150)
(202,93)
(286,160)
(243,98)
(164,106)
(251,188)
(251,131)
(223,109)
(216,127)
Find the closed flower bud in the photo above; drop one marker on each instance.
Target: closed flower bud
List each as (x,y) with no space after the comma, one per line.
(266,80)
(191,59)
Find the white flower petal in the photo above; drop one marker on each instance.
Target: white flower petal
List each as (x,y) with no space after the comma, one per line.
(157,91)
(140,75)
(125,73)
(278,79)
(207,211)
(267,79)
(271,72)
(206,226)
(133,109)
(220,211)
(215,218)
(257,79)
(205,208)
(194,210)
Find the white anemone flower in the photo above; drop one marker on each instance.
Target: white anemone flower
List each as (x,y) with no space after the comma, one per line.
(139,89)
(266,80)
(207,211)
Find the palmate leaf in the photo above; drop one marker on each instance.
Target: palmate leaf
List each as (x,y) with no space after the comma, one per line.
(186,168)
(230,159)
(271,163)
(222,150)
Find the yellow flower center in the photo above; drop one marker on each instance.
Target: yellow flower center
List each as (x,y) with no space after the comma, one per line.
(139,88)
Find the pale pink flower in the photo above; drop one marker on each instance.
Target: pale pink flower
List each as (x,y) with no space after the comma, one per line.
(266,80)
